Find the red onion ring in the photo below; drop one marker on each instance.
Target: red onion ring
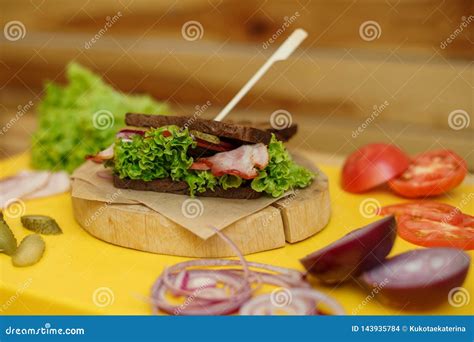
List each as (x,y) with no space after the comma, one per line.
(127,134)
(227,289)
(296,301)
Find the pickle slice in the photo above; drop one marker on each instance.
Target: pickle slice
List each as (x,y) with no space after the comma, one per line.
(7,239)
(213,139)
(30,251)
(41,224)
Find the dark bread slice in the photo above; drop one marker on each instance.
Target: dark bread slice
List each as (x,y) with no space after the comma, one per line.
(283,134)
(244,133)
(181,188)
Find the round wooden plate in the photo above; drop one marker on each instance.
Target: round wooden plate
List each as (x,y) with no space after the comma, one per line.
(291,219)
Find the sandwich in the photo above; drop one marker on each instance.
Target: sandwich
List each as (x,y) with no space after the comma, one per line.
(198,157)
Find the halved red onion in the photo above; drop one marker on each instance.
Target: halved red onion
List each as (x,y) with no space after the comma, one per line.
(420,278)
(354,253)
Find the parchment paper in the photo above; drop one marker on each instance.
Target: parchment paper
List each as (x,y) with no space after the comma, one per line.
(195,214)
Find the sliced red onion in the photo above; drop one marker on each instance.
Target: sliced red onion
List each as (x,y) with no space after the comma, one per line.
(197,282)
(181,280)
(223,290)
(127,134)
(291,301)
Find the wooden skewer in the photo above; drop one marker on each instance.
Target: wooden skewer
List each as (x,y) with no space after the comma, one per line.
(282,53)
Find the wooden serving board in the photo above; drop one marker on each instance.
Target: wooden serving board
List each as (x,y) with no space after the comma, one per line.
(293,218)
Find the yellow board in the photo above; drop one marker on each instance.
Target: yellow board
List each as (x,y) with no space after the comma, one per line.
(80,274)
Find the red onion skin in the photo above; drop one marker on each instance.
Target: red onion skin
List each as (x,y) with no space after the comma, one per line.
(413,296)
(354,253)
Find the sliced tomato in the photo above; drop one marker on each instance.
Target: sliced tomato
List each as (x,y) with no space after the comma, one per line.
(429,174)
(430,210)
(468,221)
(430,233)
(373,165)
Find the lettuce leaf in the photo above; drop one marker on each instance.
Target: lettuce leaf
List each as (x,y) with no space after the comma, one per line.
(281,173)
(67,133)
(156,156)
(200,181)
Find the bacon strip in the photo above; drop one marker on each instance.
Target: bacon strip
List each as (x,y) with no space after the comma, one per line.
(32,184)
(243,161)
(201,166)
(103,155)
(58,182)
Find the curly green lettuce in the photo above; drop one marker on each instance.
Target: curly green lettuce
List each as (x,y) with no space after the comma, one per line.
(82,118)
(281,173)
(156,155)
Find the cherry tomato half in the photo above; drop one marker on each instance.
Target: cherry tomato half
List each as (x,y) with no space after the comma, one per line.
(429,174)
(373,165)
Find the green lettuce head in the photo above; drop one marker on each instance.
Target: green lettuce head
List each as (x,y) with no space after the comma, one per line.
(82,118)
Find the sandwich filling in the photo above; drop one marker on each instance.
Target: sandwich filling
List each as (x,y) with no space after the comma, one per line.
(163,152)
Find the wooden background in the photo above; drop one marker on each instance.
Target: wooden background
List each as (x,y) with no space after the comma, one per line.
(329,86)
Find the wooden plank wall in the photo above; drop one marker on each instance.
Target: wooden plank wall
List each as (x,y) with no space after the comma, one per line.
(330,86)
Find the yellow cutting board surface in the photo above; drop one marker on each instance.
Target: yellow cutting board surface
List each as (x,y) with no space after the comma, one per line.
(80,274)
